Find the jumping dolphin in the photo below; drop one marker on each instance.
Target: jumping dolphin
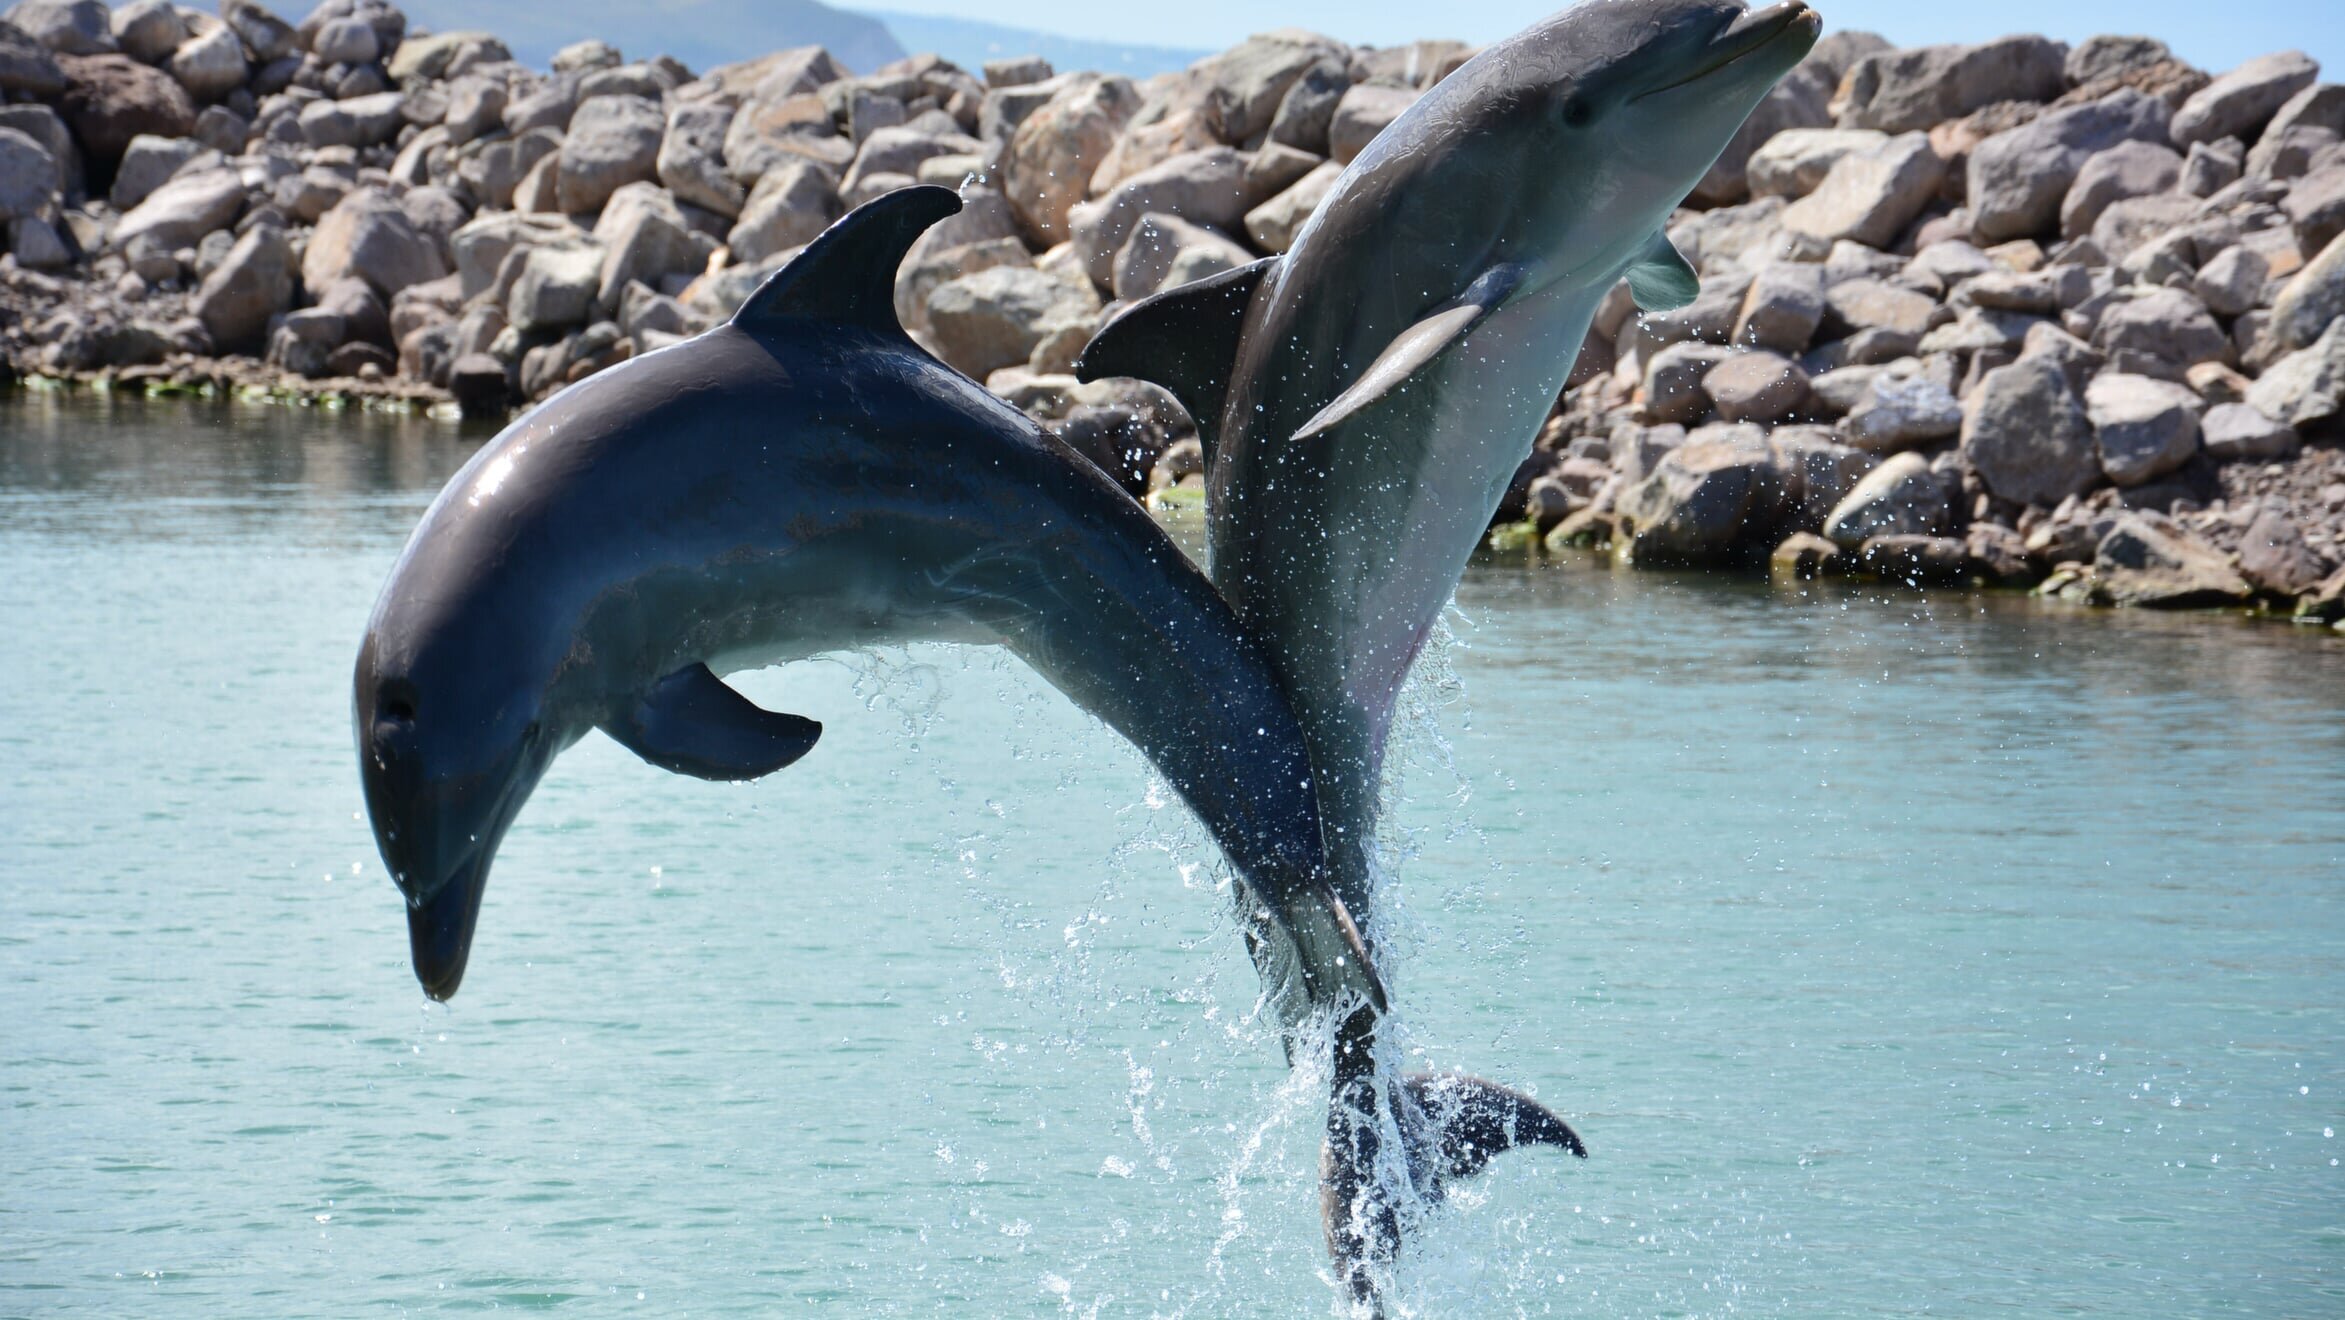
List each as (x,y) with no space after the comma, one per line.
(801,480)
(1366,398)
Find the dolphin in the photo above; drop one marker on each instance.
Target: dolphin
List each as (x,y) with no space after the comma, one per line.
(800,480)
(1366,397)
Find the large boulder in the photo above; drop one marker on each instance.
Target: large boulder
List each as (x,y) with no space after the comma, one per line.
(426,59)
(1901,497)
(2026,435)
(481,245)
(149,30)
(557,287)
(2148,561)
(2162,333)
(2128,169)
(267,36)
(68,27)
(2234,431)
(2019,179)
(26,66)
(1870,196)
(646,238)
(251,284)
(2274,556)
(1365,111)
(110,99)
(1904,91)
(1794,162)
(2146,428)
(210,64)
(29,175)
(995,318)
(2241,102)
(1165,251)
(1754,387)
(370,236)
(691,162)
(1802,100)
(361,121)
(178,214)
(2316,203)
(1244,85)
(1274,224)
(1899,411)
(613,141)
(1054,151)
(1706,501)
(2306,386)
(1204,187)
(790,206)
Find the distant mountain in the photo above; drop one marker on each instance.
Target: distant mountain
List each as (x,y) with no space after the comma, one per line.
(702,33)
(970,44)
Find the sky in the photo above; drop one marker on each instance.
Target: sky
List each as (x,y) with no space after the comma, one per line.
(2214,34)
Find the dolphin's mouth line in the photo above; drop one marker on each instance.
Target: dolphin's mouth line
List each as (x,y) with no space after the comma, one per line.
(1753,32)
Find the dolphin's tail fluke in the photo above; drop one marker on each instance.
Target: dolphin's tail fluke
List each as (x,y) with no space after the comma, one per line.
(1448,1124)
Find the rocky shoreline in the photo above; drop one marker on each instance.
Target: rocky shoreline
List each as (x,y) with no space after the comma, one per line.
(2068,319)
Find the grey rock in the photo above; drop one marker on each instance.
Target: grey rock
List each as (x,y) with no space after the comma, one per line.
(303,341)
(2233,282)
(1870,196)
(26,66)
(1673,381)
(1364,111)
(2239,103)
(369,235)
(1274,224)
(148,30)
(178,214)
(2234,432)
(2027,437)
(210,64)
(428,59)
(267,36)
(1016,72)
(147,165)
(1897,412)
(1901,91)
(2077,360)
(2311,302)
(1818,471)
(788,208)
(68,27)
(691,161)
(2213,166)
(1793,163)
(2128,169)
(586,56)
(1308,108)
(1246,83)
(1802,99)
(2162,333)
(995,318)
(2316,203)
(613,141)
(476,106)
(1866,304)
(2146,428)
(36,244)
(1052,153)
(646,238)
(2018,179)
(347,41)
(111,99)
(1165,251)
(2274,557)
(2306,386)
(1915,560)
(29,175)
(1204,187)
(1756,387)
(2096,59)
(222,129)
(2318,111)
(2150,562)
(1783,308)
(1703,502)
(901,151)
(365,121)
(481,245)
(557,288)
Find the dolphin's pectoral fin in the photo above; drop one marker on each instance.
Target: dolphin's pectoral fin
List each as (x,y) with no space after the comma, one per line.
(1418,345)
(1662,280)
(847,275)
(692,724)
(1184,339)
(1461,1121)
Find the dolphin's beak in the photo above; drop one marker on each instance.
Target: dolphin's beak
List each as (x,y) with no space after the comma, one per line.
(1753,31)
(439,933)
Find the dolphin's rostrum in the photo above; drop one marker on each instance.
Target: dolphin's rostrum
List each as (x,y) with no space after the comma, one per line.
(1366,397)
(804,479)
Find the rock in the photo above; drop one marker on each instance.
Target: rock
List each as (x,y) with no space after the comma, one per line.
(2324,603)
(148,30)
(1801,100)
(2233,282)
(29,175)
(1783,308)
(1870,196)
(2150,562)
(1915,560)
(2018,180)
(1998,554)
(2213,166)
(2077,360)
(995,318)
(1702,503)
(480,246)
(428,59)
(557,288)
(1016,72)
(1898,412)
(900,151)
(147,164)
(370,236)
(2026,435)
(210,65)
(2128,169)
(1166,251)
(1150,144)
(476,107)
(646,238)
(2146,428)
(1901,497)
(2317,204)
(2318,111)
(303,341)
(1308,108)
(1364,112)
(2233,432)
(36,245)
(1806,556)
(1203,187)
(2306,386)
(613,141)
(2241,102)
(1056,148)
(347,41)
(267,36)
(68,27)
(1794,163)
(1818,471)
(178,214)
(1754,387)
(691,161)
(364,121)
(2162,333)
(1864,304)
(110,99)
(2128,223)
(2097,59)
(1902,91)
(1673,381)
(493,171)
(223,130)
(2274,557)
(788,208)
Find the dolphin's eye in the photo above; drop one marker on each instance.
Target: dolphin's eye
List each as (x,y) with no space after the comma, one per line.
(1578,111)
(396,701)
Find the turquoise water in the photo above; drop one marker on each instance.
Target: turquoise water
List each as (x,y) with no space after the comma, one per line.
(1895,954)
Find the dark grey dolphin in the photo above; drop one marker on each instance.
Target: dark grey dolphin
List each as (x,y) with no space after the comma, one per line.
(801,480)
(1366,397)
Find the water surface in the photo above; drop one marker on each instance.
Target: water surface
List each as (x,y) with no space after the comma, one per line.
(1896,954)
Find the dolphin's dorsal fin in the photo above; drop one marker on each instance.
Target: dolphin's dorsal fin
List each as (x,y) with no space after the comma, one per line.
(1662,280)
(692,724)
(1184,339)
(847,275)
(1418,345)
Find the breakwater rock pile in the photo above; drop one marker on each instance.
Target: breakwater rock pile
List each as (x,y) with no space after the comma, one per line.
(2070,317)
